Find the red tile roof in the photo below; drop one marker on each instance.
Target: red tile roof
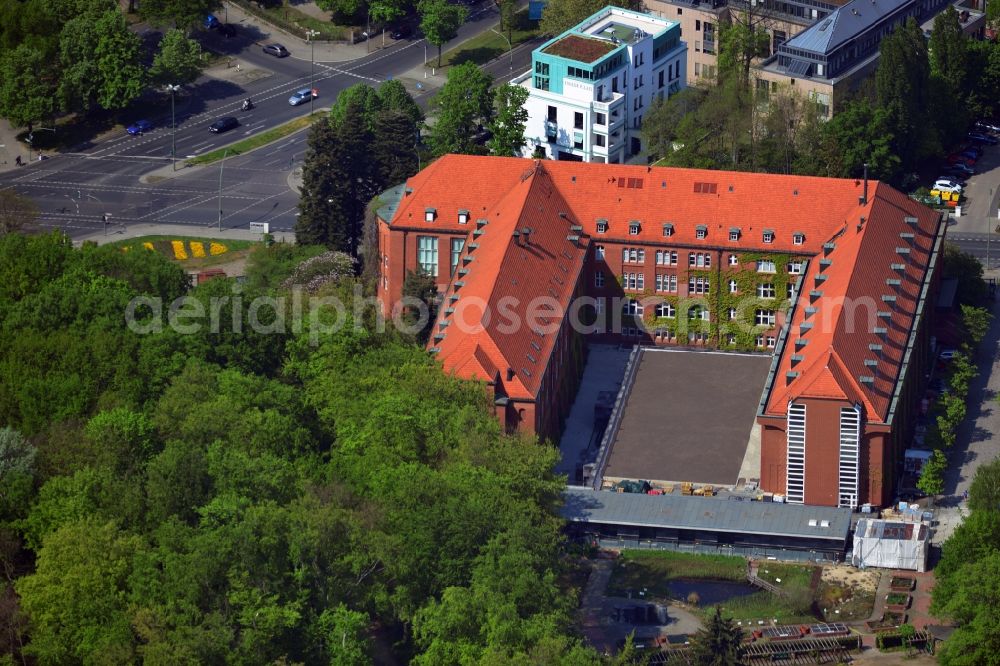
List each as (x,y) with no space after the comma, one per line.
(654,196)
(844,324)
(871,281)
(508,275)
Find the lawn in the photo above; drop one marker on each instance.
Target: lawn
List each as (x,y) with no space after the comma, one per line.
(764,606)
(638,569)
(489,45)
(298,22)
(787,577)
(190,252)
(255,141)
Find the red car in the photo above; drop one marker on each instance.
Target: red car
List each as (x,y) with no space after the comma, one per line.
(955,158)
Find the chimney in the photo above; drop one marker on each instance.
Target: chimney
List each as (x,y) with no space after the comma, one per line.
(526,234)
(864,196)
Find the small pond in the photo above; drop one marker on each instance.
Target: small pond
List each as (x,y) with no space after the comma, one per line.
(710,592)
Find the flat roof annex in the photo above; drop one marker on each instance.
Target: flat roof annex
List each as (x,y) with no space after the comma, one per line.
(709,514)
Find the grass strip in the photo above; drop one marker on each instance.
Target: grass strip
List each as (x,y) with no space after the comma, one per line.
(488,45)
(255,141)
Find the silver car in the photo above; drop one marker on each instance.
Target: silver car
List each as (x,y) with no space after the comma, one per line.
(302,96)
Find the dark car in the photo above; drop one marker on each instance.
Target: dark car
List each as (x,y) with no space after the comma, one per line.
(139,127)
(987,126)
(211,22)
(402,32)
(962,168)
(227,30)
(223,125)
(979,137)
(277,50)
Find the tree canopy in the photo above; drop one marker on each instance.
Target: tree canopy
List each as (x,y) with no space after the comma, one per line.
(229,496)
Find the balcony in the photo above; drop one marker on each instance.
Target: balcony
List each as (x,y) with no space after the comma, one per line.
(609,102)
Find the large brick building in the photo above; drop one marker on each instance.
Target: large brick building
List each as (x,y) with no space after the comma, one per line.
(829,275)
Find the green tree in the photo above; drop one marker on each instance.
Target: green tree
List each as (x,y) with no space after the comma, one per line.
(343,636)
(344,11)
(660,124)
(902,83)
(123,440)
(394,148)
(393,96)
(718,643)
(360,98)
(27,85)
(100,60)
(17,212)
(561,15)
(983,77)
(948,72)
(184,14)
(463,104)
(317,214)
(74,600)
(973,604)
(178,60)
(931,481)
(968,270)
(742,40)
(976,322)
(509,120)
(387,11)
(984,492)
(857,135)
(422,288)
(440,21)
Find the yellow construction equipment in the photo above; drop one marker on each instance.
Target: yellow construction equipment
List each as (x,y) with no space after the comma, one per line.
(687,488)
(704,491)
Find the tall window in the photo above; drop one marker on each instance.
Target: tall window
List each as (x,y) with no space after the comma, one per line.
(632,307)
(700,259)
(698,312)
(632,255)
(666,310)
(734,260)
(765,290)
(731,313)
(427,254)
(599,278)
(633,281)
(599,251)
(733,287)
(764,317)
(796,454)
(666,257)
(666,283)
(456,251)
(764,266)
(794,267)
(698,285)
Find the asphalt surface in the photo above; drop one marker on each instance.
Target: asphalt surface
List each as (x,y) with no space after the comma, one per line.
(74,190)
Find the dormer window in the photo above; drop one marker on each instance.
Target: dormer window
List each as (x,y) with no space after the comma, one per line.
(768,236)
(430,214)
(701,231)
(633,228)
(668,230)
(734,233)
(602,226)
(798,238)
(463,217)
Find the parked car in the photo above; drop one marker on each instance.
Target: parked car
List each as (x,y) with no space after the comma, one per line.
(211,22)
(987,126)
(953,175)
(402,32)
(979,137)
(227,30)
(946,185)
(277,50)
(139,127)
(948,354)
(955,158)
(223,125)
(973,150)
(302,96)
(962,167)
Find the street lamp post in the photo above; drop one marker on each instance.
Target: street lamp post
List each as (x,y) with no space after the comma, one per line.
(311,34)
(173,88)
(222,165)
(368,32)
(510,49)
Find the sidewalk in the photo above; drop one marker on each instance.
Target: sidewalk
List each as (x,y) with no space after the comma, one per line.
(325,52)
(117,233)
(10,147)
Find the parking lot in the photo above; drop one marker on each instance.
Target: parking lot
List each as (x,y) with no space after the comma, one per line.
(981,195)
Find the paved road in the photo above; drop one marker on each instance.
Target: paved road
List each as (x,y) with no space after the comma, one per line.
(73,190)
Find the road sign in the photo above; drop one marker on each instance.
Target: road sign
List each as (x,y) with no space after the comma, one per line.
(260,227)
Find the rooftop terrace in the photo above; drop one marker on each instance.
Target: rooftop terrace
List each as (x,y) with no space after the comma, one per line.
(581,49)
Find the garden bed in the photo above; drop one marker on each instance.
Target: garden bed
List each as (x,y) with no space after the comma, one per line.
(889,622)
(191,253)
(902,583)
(897,601)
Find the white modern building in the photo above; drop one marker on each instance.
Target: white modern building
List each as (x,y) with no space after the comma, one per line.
(590,86)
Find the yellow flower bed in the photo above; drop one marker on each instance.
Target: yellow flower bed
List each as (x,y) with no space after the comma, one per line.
(179,252)
(197,249)
(148,245)
(217,248)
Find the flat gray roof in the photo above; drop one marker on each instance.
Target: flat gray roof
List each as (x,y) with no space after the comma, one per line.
(688,417)
(707,514)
